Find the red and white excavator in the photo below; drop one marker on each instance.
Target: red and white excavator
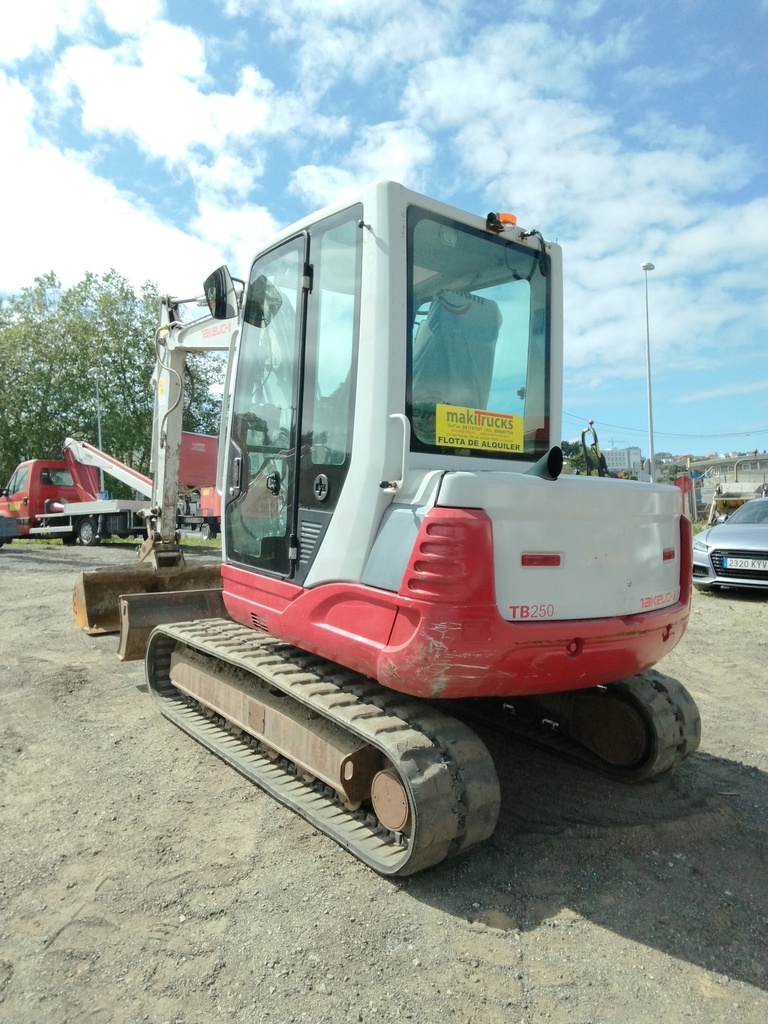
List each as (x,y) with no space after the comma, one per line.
(398,538)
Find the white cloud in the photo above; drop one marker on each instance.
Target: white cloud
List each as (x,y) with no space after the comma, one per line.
(227,177)
(392,150)
(584,9)
(356,37)
(235,233)
(77,217)
(36,27)
(320,186)
(506,63)
(130,18)
(747,388)
(32,27)
(224,217)
(135,90)
(153,88)
(646,80)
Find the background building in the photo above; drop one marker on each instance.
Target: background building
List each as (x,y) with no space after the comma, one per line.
(620,460)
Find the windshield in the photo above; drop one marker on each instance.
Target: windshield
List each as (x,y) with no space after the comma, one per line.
(752,512)
(479,344)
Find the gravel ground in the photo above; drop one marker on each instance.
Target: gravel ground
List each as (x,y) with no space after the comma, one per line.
(144,880)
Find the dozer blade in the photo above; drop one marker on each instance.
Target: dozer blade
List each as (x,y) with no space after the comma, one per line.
(140,613)
(97,591)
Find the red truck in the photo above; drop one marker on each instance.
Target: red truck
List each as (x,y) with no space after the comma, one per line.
(199,504)
(49,498)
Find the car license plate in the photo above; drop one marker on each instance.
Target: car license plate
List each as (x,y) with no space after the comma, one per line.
(746,563)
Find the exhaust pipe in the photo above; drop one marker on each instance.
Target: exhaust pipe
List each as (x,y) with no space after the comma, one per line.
(549,466)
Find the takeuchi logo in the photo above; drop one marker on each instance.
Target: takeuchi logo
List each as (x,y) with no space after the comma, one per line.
(657,600)
(211,332)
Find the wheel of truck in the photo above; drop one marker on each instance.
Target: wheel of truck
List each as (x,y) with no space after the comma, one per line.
(209,530)
(86,532)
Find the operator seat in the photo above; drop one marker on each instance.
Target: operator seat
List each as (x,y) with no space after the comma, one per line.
(454,350)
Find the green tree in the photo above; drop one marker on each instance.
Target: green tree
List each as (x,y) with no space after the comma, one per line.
(669,473)
(574,457)
(56,345)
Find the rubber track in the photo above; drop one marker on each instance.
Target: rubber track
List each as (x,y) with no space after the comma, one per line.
(673,718)
(448,773)
(670,713)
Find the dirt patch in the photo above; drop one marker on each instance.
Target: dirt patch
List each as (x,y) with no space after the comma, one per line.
(144,880)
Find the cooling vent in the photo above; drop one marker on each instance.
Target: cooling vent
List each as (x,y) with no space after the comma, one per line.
(308,538)
(259,622)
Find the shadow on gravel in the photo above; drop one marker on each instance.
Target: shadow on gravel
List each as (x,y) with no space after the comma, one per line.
(679,865)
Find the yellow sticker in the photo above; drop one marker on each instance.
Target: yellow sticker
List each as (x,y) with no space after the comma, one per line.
(459,427)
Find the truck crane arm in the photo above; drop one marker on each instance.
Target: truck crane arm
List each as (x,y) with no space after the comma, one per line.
(88,455)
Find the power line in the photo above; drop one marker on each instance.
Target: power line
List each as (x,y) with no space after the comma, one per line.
(662,433)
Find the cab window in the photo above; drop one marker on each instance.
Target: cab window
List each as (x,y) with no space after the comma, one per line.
(19,480)
(478,349)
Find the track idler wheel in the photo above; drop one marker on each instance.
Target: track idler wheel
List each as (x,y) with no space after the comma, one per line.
(390,801)
(609,727)
(632,730)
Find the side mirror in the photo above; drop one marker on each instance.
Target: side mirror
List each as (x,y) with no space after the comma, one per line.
(722,519)
(220,294)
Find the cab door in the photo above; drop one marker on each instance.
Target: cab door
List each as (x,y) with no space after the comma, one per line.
(263,457)
(293,407)
(15,499)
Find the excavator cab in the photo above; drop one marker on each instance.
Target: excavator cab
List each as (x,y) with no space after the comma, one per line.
(336,388)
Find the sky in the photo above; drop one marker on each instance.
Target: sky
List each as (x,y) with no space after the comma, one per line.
(162,138)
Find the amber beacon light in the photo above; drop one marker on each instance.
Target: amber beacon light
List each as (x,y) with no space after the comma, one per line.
(498,221)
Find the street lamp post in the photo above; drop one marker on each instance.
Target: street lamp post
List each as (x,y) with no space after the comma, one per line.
(651,455)
(94,373)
